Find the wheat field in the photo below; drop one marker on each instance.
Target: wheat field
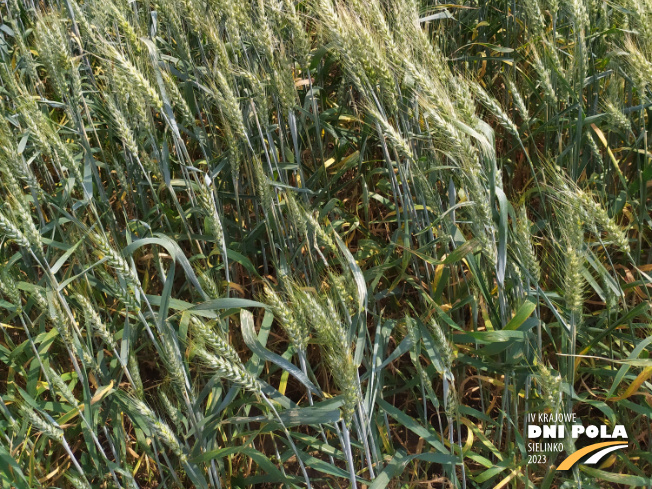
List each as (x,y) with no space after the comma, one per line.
(322,243)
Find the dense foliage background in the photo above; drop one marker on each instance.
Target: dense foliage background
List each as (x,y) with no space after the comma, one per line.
(354,243)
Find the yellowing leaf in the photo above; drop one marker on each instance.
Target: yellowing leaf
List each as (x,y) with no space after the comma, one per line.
(633,387)
(102,392)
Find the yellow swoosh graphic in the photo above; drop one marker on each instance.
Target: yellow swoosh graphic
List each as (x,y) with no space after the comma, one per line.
(570,461)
